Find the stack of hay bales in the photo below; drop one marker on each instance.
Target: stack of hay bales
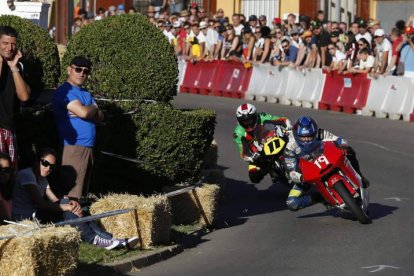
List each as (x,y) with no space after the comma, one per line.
(45,251)
(151,221)
(197,206)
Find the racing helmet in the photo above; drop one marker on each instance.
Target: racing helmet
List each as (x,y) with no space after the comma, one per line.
(247,116)
(305,131)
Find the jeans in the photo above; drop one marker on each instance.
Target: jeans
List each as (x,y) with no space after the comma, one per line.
(88,230)
(175,8)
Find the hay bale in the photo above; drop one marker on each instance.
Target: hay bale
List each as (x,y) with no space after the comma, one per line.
(216,176)
(45,251)
(199,205)
(154,217)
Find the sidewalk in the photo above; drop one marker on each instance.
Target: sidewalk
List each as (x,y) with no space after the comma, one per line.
(134,263)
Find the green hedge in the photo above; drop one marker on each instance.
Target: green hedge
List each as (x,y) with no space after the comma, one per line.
(131,59)
(170,142)
(40,54)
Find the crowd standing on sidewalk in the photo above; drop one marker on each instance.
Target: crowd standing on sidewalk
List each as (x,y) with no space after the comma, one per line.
(297,41)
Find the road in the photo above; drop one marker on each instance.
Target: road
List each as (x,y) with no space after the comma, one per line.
(257,235)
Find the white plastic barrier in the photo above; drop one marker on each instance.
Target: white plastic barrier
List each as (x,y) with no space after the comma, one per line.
(259,75)
(295,84)
(390,96)
(274,87)
(182,65)
(311,93)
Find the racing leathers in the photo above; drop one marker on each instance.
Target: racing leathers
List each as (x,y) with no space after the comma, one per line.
(249,147)
(299,197)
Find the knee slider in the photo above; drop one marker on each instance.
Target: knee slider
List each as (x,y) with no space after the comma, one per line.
(292,203)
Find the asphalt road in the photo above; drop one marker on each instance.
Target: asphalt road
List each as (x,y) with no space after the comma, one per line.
(257,235)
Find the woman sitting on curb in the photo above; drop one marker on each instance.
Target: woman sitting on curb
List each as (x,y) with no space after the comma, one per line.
(6,186)
(32,185)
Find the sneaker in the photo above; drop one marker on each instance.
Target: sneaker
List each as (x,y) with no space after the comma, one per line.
(128,243)
(105,243)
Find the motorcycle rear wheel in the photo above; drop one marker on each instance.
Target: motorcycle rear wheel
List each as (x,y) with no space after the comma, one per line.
(351,203)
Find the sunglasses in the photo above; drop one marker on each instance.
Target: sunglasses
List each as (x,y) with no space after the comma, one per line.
(46,164)
(360,44)
(6,170)
(79,70)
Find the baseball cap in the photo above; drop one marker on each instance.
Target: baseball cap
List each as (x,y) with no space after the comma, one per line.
(307,34)
(80,61)
(262,17)
(203,25)
(277,20)
(253,18)
(121,7)
(177,24)
(315,24)
(294,30)
(334,34)
(362,23)
(379,32)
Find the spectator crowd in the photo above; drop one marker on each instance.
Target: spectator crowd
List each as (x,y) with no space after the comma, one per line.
(298,42)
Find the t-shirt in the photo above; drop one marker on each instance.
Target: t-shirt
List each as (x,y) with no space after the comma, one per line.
(369,63)
(407,56)
(22,202)
(238,30)
(338,56)
(385,46)
(73,130)
(292,54)
(9,103)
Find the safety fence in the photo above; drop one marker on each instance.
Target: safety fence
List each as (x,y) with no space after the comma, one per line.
(384,97)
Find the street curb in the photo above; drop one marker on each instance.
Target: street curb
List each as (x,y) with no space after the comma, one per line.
(134,263)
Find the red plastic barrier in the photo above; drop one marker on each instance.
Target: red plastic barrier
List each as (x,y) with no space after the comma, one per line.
(412,117)
(232,79)
(346,93)
(199,77)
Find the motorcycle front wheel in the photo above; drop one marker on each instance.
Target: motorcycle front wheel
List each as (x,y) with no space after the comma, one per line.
(351,203)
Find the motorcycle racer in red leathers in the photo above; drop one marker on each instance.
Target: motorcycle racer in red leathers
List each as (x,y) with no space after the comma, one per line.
(245,137)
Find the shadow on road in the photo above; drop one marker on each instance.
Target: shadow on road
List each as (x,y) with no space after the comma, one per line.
(376,211)
(243,200)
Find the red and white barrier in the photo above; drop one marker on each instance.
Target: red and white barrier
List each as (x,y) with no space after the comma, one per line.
(389,96)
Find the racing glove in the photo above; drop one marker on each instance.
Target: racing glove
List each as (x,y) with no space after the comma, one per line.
(295,176)
(253,158)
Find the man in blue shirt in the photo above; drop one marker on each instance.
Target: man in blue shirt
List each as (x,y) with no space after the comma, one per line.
(407,55)
(290,52)
(76,114)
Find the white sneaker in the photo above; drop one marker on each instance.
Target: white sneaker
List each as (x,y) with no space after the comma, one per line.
(128,243)
(105,243)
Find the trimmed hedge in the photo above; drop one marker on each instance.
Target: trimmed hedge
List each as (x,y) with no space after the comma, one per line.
(131,59)
(172,144)
(40,55)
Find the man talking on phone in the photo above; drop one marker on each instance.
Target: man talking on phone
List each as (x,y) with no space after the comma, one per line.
(13,89)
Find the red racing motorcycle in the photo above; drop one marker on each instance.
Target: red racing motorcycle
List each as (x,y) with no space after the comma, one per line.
(331,173)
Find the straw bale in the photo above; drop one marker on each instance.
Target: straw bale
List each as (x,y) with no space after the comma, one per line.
(154,217)
(45,251)
(199,205)
(216,176)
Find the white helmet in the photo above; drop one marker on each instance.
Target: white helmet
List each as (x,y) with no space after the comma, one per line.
(247,116)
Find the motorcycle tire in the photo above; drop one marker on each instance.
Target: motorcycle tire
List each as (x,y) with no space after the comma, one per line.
(351,203)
